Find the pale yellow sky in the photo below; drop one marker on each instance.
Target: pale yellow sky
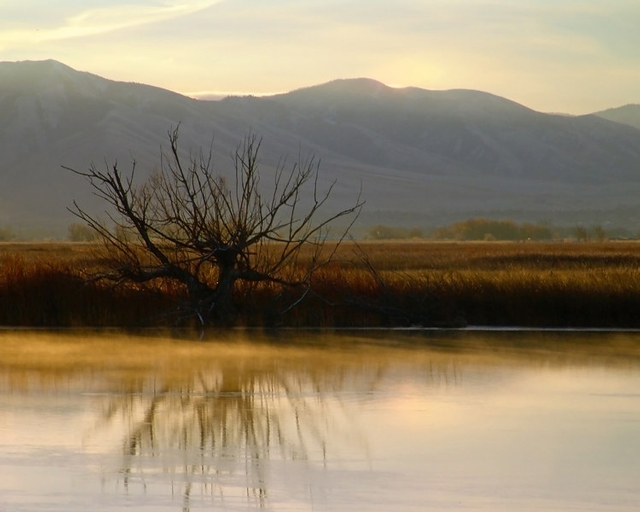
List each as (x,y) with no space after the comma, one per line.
(574,56)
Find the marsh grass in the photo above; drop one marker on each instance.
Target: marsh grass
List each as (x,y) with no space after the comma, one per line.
(46,286)
(373,284)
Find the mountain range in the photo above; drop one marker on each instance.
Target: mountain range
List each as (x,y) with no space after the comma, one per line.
(420,158)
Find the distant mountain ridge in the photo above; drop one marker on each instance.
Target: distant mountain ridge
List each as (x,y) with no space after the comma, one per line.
(420,156)
(455,131)
(627,114)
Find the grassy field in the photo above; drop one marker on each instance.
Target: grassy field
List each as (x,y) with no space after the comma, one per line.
(373,284)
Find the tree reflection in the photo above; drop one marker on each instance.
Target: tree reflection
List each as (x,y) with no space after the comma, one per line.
(217,429)
(232,419)
(260,424)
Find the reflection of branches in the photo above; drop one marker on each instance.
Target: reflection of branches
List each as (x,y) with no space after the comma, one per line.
(229,421)
(215,417)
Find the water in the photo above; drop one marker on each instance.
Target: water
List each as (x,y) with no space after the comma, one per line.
(302,422)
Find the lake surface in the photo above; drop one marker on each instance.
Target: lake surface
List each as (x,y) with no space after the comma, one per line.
(301,421)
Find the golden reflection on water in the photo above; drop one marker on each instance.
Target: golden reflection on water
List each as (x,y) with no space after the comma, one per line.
(66,353)
(208,410)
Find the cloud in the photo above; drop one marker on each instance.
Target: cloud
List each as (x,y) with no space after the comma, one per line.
(103,20)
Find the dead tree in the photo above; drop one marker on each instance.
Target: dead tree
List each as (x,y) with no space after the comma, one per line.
(189,225)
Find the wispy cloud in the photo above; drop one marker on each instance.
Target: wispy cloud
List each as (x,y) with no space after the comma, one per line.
(103,20)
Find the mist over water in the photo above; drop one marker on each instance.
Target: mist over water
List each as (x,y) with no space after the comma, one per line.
(303,421)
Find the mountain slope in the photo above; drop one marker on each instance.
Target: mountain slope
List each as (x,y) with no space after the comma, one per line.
(420,157)
(627,114)
(53,116)
(459,131)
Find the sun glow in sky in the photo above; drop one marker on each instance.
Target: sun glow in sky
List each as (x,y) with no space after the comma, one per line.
(575,56)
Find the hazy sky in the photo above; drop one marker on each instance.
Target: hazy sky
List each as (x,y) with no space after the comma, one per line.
(574,56)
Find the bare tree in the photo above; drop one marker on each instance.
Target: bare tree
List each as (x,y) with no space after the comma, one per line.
(189,225)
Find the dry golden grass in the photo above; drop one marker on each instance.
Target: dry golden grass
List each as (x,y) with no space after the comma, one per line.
(371,284)
(525,284)
(44,285)
(59,252)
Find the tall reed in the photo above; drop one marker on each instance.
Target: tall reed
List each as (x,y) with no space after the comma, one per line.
(372,284)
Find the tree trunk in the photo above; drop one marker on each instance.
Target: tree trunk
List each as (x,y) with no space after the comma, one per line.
(223,309)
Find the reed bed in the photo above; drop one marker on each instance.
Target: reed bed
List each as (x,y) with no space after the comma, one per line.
(368,285)
(47,286)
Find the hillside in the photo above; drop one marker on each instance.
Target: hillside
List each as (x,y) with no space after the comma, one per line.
(421,157)
(627,114)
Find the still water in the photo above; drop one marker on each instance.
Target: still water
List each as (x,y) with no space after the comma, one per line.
(398,421)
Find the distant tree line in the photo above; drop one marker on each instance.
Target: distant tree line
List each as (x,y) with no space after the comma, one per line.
(488,229)
(596,233)
(382,232)
(78,232)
